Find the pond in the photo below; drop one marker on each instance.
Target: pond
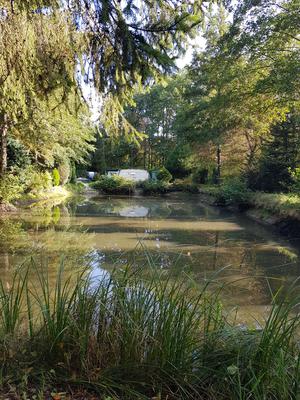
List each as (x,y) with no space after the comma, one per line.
(179,234)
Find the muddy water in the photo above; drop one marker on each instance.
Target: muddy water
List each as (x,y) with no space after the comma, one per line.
(181,236)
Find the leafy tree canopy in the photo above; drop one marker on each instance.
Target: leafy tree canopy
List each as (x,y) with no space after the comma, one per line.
(46,46)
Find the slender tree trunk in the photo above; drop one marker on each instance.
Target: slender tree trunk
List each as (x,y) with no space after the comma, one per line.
(218,163)
(150,153)
(144,153)
(103,157)
(3,145)
(253,145)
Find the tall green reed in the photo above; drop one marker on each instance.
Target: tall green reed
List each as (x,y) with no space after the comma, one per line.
(12,302)
(132,335)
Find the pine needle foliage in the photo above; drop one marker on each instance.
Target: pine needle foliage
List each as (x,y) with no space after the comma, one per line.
(48,46)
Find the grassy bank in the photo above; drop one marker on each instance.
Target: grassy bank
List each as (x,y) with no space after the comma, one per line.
(125,337)
(273,204)
(55,195)
(278,203)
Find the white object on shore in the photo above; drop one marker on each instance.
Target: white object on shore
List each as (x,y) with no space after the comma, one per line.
(137,175)
(91,174)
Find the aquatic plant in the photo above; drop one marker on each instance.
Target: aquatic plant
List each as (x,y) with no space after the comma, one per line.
(129,336)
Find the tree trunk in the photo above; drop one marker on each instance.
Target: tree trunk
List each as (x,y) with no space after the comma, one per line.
(104,166)
(218,163)
(144,152)
(3,145)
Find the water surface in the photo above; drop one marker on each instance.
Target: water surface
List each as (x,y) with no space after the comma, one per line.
(179,234)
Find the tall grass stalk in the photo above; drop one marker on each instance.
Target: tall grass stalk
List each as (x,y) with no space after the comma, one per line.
(11,303)
(129,336)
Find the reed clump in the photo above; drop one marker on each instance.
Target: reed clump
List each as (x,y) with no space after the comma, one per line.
(125,337)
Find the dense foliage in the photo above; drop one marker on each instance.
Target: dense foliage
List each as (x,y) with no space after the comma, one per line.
(52,50)
(229,119)
(114,184)
(150,188)
(163,175)
(233,111)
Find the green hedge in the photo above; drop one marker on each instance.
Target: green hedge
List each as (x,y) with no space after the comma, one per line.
(233,192)
(114,185)
(155,188)
(164,175)
(10,188)
(181,185)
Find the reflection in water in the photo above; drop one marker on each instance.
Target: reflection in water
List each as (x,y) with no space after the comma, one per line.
(181,235)
(95,262)
(135,211)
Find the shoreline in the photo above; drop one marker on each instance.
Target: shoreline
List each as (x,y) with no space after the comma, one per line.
(260,208)
(57,193)
(285,222)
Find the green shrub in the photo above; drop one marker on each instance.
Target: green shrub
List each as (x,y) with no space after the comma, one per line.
(46,180)
(64,170)
(17,154)
(55,177)
(10,188)
(164,175)
(77,187)
(155,188)
(233,191)
(36,181)
(114,185)
(200,175)
(181,185)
